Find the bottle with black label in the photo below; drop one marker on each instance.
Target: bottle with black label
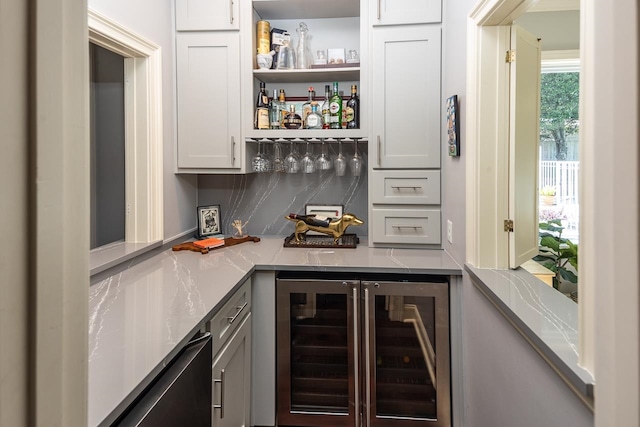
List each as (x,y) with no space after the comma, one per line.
(317,220)
(352,112)
(293,119)
(261,120)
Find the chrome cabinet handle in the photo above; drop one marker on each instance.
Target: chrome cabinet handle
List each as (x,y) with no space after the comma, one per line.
(233,151)
(378,16)
(231,11)
(378,137)
(221,405)
(415,227)
(406,187)
(356,366)
(238,311)
(367,354)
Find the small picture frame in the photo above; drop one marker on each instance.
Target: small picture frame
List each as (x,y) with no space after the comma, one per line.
(208,220)
(453,127)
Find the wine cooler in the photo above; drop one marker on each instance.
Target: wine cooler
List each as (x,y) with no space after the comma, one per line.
(363,353)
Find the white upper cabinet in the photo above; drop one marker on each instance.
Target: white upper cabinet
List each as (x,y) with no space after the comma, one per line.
(406,102)
(208,69)
(202,15)
(398,12)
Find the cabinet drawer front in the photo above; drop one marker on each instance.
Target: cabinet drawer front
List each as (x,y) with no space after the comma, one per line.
(406,187)
(226,321)
(413,226)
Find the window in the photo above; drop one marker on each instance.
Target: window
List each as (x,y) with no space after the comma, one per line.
(559,148)
(142,96)
(106,72)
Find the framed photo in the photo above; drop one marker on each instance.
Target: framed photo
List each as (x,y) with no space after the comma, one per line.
(453,126)
(208,220)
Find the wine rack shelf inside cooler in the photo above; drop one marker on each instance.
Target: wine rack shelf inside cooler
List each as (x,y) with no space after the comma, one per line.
(402,381)
(319,357)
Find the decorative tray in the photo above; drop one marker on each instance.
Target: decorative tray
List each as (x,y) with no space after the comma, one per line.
(349,241)
(229,241)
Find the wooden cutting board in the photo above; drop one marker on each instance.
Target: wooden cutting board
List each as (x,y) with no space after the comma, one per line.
(229,241)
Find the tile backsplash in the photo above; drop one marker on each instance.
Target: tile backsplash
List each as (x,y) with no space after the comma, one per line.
(263,199)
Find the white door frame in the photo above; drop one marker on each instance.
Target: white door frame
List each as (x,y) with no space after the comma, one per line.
(610,168)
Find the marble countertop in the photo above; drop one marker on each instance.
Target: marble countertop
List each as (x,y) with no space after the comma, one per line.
(140,317)
(546,318)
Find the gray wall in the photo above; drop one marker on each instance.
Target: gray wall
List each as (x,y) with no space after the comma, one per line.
(264,199)
(154,20)
(504,381)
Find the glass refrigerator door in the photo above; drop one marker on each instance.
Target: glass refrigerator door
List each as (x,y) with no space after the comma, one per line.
(406,353)
(316,347)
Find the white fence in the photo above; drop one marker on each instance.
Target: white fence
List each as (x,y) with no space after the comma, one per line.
(564,177)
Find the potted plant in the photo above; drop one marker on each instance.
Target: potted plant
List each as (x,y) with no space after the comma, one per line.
(557,253)
(548,195)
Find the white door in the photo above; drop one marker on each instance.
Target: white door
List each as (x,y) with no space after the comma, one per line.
(406,101)
(524,110)
(194,15)
(208,74)
(395,12)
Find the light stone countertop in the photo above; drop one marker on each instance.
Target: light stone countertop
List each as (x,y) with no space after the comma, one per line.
(141,317)
(548,319)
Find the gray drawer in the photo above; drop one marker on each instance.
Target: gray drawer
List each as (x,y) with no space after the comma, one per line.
(403,187)
(409,225)
(226,321)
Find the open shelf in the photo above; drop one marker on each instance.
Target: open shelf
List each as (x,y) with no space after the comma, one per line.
(294,9)
(308,75)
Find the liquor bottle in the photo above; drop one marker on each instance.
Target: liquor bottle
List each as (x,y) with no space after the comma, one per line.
(335,108)
(261,120)
(292,120)
(326,112)
(306,107)
(317,220)
(276,110)
(352,112)
(314,120)
(283,110)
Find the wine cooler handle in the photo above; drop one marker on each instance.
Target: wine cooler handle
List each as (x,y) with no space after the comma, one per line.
(367,356)
(231,11)
(356,366)
(221,405)
(378,159)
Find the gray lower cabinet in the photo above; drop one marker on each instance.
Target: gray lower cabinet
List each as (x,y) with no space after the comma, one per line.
(232,380)
(231,366)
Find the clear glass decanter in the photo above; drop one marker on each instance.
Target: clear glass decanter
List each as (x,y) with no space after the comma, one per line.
(303,54)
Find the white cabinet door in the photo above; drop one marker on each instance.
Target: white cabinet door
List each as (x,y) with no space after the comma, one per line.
(394,12)
(406,101)
(193,15)
(208,91)
(232,380)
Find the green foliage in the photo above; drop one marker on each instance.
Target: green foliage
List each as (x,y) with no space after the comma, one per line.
(559,108)
(556,252)
(559,99)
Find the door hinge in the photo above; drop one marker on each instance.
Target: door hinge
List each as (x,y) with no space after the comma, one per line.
(508,225)
(511,56)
